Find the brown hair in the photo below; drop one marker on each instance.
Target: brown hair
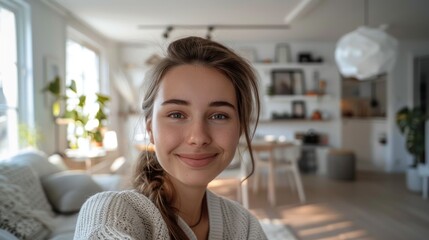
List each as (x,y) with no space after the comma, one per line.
(150,178)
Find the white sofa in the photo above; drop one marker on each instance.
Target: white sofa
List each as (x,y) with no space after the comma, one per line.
(39,200)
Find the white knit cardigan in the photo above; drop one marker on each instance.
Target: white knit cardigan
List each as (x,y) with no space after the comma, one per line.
(131,215)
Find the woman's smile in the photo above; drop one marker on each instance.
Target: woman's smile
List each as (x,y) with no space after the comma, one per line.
(197,160)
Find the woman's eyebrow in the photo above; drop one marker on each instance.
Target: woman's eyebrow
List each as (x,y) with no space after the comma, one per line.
(186,103)
(175,101)
(221,104)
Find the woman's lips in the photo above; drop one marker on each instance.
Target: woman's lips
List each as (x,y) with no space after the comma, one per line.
(197,160)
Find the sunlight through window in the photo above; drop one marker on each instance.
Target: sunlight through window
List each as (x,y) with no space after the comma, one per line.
(83,66)
(8,83)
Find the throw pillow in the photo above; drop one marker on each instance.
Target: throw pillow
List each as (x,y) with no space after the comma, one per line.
(16,215)
(37,160)
(25,177)
(68,190)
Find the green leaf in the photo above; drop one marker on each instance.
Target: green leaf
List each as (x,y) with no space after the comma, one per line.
(72,86)
(82,100)
(100,115)
(54,87)
(56,108)
(102,99)
(411,123)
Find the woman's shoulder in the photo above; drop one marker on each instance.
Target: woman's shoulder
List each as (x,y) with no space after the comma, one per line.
(120,200)
(126,212)
(125,195)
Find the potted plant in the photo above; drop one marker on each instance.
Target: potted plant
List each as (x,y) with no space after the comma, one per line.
(87,113)
(411,123)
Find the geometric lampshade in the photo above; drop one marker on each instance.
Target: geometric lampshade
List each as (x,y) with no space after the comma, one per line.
(365,53)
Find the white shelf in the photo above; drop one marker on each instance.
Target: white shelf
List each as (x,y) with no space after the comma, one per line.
(269,66)
(285,98)
(292,120)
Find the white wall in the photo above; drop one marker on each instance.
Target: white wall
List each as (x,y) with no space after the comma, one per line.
(49,34)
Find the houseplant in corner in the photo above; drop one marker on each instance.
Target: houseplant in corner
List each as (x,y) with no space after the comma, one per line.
(411,123)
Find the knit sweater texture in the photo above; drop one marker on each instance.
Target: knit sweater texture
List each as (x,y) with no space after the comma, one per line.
(131,215)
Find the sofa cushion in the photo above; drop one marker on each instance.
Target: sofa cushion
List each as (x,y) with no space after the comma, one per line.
(24,177)
(5,235)
(16,215)
(68,190)
(37,160)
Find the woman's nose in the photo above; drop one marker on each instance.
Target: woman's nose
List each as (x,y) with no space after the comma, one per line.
(199,134)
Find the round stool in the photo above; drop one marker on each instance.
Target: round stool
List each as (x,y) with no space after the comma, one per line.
(341,164)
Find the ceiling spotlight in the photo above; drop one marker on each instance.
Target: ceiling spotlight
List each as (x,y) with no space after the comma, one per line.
(210,28)
(167,32)
(209,32)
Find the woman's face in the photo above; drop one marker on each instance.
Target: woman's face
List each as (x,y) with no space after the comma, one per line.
(195,124)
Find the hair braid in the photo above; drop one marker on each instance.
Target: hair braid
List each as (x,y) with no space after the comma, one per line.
(152,182)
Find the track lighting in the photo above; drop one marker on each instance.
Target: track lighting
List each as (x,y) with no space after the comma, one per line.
(166,34)
(211,27)
(209,32)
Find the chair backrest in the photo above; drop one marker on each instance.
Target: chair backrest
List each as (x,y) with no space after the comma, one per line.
(288,154)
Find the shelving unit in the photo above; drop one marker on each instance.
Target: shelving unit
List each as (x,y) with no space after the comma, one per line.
(292,120)
(328,103)
(286,98)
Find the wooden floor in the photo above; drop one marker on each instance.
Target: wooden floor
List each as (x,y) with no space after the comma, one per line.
(375,206)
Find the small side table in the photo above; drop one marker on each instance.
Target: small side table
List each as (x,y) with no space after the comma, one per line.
(424,173)
(86,156)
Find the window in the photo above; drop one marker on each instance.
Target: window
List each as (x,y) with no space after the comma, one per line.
(8,82)
(82,66)
(16,95)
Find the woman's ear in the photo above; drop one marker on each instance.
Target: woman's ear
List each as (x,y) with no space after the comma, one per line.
(149,131)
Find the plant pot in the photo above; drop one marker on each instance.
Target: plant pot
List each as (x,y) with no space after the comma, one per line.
(414,181)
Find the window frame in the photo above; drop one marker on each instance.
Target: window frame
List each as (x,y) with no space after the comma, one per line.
(25,105)
(22,12)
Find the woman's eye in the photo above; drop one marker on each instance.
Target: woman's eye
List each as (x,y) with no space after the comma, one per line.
(219,117)
(176,115)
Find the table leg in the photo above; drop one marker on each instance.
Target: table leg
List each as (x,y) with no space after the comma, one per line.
(271,181)
(88,165)
(425,187)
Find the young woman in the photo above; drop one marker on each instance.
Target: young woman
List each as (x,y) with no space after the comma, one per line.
(200,100)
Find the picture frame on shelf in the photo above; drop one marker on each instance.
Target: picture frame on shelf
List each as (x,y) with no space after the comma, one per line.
(299,82)
(282,82)
(283,53)
(298,109)
(288,82)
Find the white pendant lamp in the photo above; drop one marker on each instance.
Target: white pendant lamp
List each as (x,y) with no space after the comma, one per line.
(366,52)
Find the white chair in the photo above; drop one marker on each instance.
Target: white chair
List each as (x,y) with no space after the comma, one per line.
(283,159)
(238,170)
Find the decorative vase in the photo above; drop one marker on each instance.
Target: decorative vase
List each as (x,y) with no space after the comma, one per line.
(414,181)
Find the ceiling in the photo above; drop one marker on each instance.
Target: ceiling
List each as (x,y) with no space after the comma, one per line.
(319,20)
